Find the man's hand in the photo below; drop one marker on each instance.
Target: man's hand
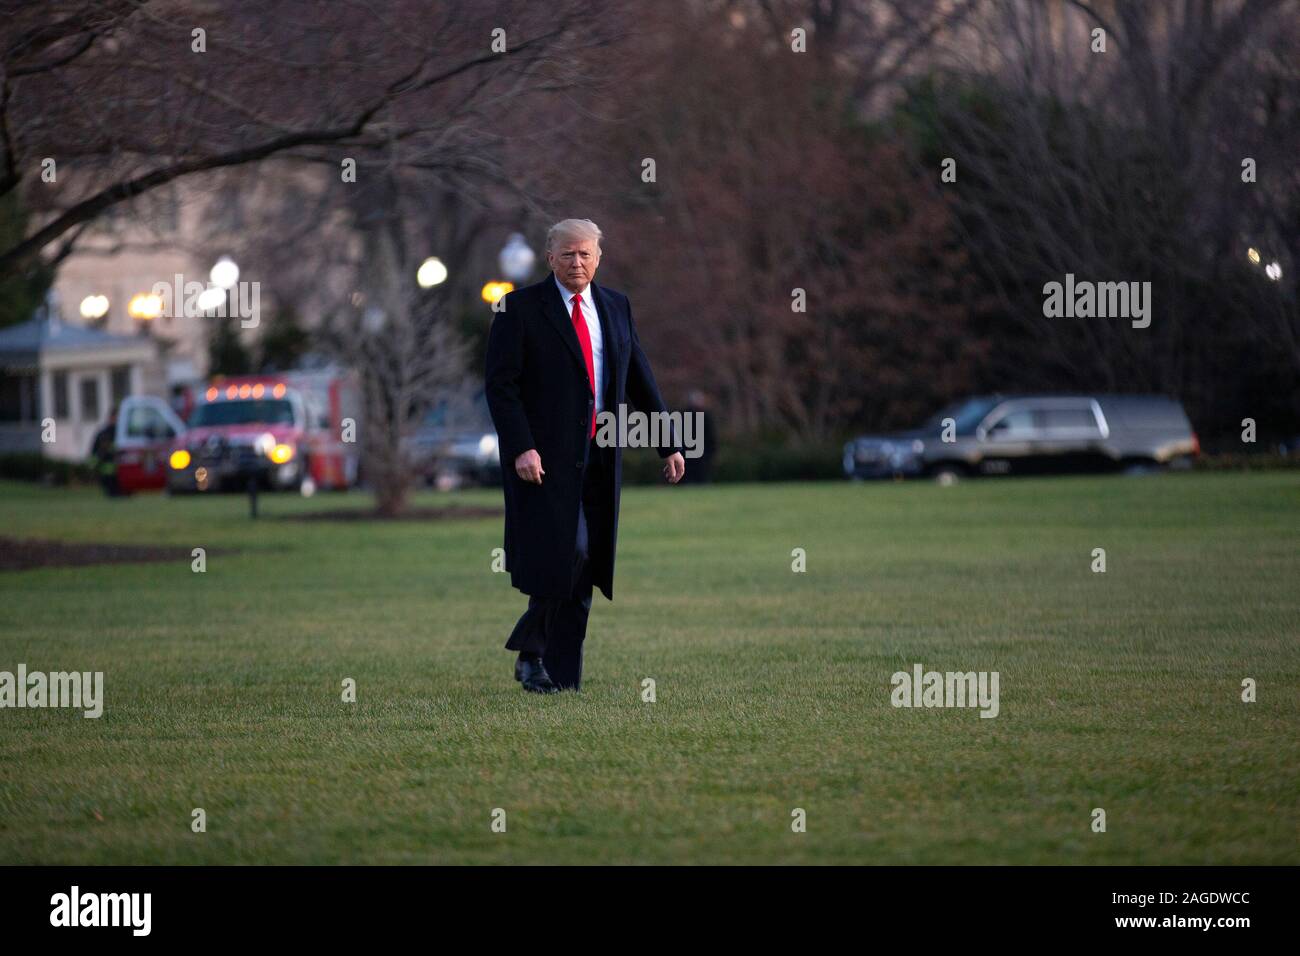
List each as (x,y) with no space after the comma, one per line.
(674,467)
(528,466)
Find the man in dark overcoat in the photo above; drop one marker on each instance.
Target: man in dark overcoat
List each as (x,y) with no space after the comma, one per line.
(559,353)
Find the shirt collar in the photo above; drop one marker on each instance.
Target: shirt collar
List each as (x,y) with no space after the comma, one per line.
(567,297)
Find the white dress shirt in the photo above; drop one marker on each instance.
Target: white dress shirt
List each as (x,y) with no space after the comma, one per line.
(593,329)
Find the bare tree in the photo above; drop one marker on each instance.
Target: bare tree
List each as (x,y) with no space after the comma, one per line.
(780,260)
(401,342)
(1126,165)
(124,96)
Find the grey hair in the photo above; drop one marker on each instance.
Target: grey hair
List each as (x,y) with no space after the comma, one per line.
(568,229)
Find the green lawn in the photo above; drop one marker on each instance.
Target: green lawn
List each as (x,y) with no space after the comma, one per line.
(1118,690)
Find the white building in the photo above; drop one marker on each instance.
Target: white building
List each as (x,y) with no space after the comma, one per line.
(62,381)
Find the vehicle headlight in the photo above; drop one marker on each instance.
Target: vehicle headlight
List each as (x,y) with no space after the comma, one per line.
(265,444)
(180,459)
(487,445)
(281,453)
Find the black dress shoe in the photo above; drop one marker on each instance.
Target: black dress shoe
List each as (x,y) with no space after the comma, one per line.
(519,666)
(533,677)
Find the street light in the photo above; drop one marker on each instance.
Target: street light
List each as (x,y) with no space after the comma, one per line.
(225,273)
(493,291)
(516,259)
(1273,270)
(211,299)
(94,307)
(145,305)
(431,273)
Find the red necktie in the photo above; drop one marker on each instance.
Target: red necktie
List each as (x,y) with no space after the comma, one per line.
(584,339)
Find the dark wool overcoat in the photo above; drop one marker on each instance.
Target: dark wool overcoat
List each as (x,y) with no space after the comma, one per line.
(540,397)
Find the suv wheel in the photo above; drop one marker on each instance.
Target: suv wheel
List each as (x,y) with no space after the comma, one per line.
(947,475)
(1140,466)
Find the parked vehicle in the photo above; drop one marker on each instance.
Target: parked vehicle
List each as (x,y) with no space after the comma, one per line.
(285,431)
(133,455)
(1032,434)
(282,431)
(456,445)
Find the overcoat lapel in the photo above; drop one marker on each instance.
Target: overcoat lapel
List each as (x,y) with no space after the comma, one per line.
(608,337)
(555,312)
(553,309)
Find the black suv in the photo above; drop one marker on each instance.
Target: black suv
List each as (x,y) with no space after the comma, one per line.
(1032,434)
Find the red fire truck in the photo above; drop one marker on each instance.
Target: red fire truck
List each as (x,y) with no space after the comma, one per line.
(291,430)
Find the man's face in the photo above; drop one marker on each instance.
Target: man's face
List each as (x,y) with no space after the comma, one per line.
(574,262)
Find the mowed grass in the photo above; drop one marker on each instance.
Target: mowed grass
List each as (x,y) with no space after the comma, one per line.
(1119,690)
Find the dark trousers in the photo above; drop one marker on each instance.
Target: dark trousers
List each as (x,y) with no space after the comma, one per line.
(555,628)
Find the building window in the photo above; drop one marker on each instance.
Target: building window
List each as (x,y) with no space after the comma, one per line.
(18,401)
(89,398)
(59,384)
(121,384)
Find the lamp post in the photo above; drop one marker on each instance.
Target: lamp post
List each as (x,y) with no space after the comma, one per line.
(223,276)
(494,290)
(225,273)
(516,261)
(144,307)
(94,307)
(431,273)
(516,258)
(211,299)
